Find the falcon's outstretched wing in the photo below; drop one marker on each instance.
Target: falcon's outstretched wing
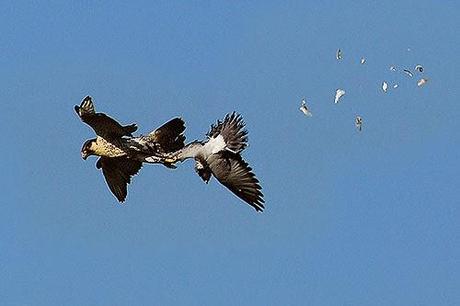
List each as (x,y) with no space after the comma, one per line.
(235,174)
(103,125)
(118,172)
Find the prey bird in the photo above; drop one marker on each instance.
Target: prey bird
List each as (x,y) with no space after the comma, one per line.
(220,156)
(121,154)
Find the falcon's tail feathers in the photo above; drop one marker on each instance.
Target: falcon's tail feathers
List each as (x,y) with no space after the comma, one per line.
(129,129)
(170,135)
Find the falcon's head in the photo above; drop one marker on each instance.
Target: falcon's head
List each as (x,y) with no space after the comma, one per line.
(88,148)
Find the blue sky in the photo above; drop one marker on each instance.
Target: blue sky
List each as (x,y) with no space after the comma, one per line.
(351,218)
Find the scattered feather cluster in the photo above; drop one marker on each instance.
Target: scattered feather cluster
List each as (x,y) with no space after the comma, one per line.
(339,93)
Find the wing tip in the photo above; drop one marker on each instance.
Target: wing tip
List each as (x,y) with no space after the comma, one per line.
(259,207)
(257,202)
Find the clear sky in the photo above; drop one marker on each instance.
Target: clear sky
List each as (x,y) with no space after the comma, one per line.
(351,218)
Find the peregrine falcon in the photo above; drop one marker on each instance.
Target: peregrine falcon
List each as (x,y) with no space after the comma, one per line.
(121,154)
(220,156)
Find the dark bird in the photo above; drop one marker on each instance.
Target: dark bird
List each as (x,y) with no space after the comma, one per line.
(220,156)
(121,154)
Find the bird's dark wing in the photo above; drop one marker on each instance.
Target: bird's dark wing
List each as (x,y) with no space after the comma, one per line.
(118,172)
(103,125)
(235,174)
(170,135)
(232,129)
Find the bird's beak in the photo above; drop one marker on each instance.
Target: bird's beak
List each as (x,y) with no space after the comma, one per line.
(84,155)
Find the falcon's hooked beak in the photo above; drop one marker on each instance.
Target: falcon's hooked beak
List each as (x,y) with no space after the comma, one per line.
(87,150)
(77,110)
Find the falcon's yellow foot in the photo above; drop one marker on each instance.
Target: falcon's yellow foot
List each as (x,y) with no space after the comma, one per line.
(170,160)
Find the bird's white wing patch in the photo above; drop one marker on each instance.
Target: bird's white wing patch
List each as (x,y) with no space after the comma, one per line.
(215,144)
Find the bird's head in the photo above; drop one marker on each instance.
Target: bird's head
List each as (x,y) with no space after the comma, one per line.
(88,148)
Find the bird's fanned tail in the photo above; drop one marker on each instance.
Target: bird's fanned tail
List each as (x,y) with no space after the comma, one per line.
(232,129)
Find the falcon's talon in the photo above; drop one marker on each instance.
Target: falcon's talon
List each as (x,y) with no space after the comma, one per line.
(170,160)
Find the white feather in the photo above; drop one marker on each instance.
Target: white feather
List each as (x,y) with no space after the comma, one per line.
(408,72)
(338,54)
(419,68)
(358,122)
(422,82)
(338,94)
(384,86)
(304,108)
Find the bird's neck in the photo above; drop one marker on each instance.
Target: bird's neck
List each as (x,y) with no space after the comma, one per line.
(189,151)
